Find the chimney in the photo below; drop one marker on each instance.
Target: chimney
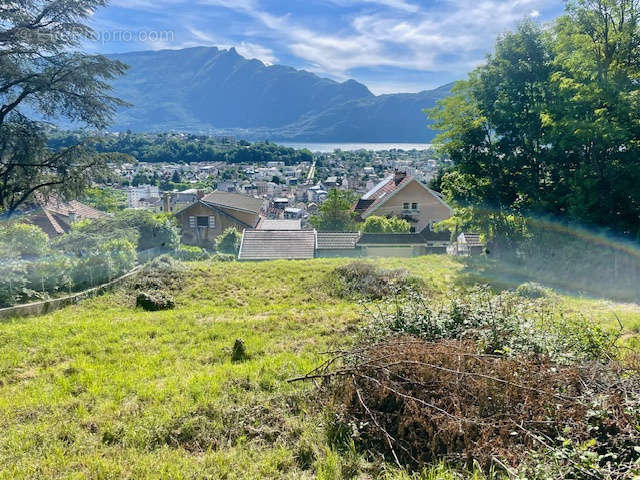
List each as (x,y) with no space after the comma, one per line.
(73,216)
(399,176)
(166,200)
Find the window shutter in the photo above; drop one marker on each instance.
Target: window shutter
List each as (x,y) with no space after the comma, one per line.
(192,222)
(212,222)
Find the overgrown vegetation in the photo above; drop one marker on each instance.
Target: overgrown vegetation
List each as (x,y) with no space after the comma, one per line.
(492,380)
(368,281)
(106,389)
(94,252)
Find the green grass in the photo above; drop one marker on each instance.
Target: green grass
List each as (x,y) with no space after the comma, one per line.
(103,390)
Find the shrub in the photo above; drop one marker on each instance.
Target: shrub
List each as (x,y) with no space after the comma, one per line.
(24,239)
(239,351)
(420,402)
(229,242)
(144,229)
(104,263)
(375,224)
(533,291)
(154,301)
(222,257)
(50,274)
(361,279)
(504,324)
(189,253)
(13,279)
(163,273)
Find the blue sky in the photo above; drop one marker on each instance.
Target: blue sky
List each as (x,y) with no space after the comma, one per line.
(389,45)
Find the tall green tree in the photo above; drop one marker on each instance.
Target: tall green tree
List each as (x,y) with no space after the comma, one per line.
(43,73)
(336,213)
(549,125)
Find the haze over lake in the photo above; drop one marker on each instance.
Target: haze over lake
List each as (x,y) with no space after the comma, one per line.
(352,147)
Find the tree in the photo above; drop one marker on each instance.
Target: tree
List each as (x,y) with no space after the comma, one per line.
(375,224)
(336,213)
(229,242)
(107,200)
(176,178)
(41,72)
(23,239)
(549,126)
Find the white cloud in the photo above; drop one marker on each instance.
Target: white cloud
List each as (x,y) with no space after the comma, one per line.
(415,35)
(461,33)
(260,52)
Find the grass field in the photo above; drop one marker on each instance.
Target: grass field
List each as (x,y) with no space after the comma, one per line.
(103,390)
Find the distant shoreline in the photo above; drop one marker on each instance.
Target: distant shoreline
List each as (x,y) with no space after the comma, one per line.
(352,147)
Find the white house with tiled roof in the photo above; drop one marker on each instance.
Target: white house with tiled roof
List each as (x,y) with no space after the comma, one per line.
(403,196)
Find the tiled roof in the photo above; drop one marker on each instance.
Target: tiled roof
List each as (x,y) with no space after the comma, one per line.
(377,194)
(65,209)
(273,245)
(337,240)
(53,222)
(280,225)
(234,200)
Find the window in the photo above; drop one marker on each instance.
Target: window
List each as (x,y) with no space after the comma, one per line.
(202,222)
(405,206)
(206,222)
(414,206)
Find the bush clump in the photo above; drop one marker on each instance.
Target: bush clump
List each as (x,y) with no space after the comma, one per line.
(154,301)
(223,257)
(239,351)
(504,324)
(190,253)
(365,280)
(533,291)
(419,402)
(163,273)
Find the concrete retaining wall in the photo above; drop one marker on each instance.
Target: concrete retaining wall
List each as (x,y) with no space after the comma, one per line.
(47,306)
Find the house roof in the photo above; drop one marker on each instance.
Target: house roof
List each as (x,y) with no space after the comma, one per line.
(280,225)
(236,201)
(65,209)
(337,240)
(384,190)
(273,245)
(57,216)
(378,194)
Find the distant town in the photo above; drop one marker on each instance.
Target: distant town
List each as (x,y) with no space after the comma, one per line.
(288,191)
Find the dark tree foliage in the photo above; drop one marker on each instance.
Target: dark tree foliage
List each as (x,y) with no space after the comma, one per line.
(41,72)
(550,125)
(156,148)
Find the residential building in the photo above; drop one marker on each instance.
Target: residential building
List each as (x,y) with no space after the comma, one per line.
(56,217)
(211,215)
(403,196)
(135,195)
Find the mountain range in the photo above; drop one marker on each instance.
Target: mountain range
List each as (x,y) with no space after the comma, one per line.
(217,91)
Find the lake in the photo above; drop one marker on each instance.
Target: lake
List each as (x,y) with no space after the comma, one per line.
(351,147)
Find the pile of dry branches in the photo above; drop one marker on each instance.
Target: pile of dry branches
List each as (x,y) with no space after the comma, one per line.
(416,402)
